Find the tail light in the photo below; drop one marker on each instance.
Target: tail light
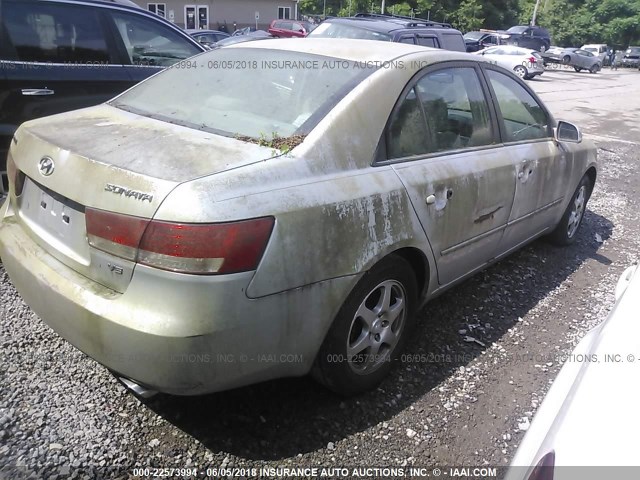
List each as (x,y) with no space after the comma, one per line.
(212,248)
(532,60)
(544,469)
(15,175)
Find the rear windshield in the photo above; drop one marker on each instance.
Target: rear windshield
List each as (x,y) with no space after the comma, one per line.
(473,35)
(246,91)
(452,41)
(341,30)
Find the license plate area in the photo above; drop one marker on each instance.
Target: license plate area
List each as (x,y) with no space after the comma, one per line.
(56,220)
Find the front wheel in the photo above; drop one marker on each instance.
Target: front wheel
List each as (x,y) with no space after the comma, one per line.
(566,230)
(566,59)
(594,68)
(370,330)
(577,69)
(520,71)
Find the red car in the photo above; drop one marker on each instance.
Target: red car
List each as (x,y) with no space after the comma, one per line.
(290,28)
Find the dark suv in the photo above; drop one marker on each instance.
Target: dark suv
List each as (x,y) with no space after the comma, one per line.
(59,55)
(392,28)
(536,38)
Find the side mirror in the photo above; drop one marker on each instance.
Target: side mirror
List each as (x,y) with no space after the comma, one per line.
(567,132)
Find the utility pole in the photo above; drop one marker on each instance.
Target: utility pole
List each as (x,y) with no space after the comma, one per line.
(324,10)
(535,13)
(382,8)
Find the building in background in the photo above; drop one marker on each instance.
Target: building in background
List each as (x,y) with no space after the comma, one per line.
(214,14)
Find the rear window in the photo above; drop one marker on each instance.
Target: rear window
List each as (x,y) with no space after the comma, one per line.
(517,29)
(341,30)
(246,92)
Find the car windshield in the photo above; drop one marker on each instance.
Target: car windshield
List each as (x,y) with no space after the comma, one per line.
(246,91)
(308,26)
(517,29)
(341,30)
(473,35)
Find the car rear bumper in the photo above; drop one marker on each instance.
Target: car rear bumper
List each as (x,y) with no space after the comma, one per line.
(175,333)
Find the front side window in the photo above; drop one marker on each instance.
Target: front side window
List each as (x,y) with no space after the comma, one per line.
(523,118)
(287,92)
(284,13)
(58,33)
(151,43)
(446,110)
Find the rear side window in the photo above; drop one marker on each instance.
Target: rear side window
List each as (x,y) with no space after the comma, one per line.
(523,117)
(151,43)
(58,33)
(452,41)
(410,40)
(428,42)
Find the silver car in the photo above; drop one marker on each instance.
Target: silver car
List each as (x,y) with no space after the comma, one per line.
(524,62)
(275,208)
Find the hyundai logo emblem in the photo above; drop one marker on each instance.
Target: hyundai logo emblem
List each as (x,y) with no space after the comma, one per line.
(46,166)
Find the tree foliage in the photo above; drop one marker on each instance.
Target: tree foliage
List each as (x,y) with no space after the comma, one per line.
(570,22)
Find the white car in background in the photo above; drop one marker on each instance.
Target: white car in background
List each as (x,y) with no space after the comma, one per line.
(589,417)
(524,62)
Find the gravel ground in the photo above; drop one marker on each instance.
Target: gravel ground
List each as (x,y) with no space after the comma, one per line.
(480,361)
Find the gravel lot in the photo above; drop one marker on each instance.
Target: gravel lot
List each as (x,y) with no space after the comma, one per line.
(453,401)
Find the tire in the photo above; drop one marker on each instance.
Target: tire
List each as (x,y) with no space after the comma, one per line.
(566,59)
(367,336)
(594,68)
(520,71)
(543,48)
(577,69)
(566,231)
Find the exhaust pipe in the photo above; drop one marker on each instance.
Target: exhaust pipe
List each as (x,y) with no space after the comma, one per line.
(137,389)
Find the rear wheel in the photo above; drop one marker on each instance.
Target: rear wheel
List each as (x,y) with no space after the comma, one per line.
(520,71)
(565,232)
(594,68)
(370,329)
(566,59)
(577,69)
(543,48)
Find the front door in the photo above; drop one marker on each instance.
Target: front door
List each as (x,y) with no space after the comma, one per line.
(443,137)
(541,166)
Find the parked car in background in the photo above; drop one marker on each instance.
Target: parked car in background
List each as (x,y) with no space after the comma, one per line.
(631,57)
(200,211)
(536,38)
(208,38)
(59,55)
(574,57)
(392,28)
(588,418)
(290,28)
(524,62)
(600,50)
(246,37)
(475,41)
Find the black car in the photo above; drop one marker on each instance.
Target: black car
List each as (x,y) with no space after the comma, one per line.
(536,38)
(476,41)
(60,55)
(392,28)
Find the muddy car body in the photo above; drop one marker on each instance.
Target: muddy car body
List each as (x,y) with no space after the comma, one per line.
(308,254)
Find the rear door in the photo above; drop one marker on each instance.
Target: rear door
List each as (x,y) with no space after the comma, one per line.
(56,57)
(441,140)
(541,166)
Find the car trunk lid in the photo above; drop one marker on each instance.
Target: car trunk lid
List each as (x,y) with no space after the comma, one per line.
(106,159)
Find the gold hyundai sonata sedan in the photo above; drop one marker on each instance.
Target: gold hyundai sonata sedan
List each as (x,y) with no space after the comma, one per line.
(276,208)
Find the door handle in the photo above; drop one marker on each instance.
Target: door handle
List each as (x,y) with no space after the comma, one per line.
(37,92)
